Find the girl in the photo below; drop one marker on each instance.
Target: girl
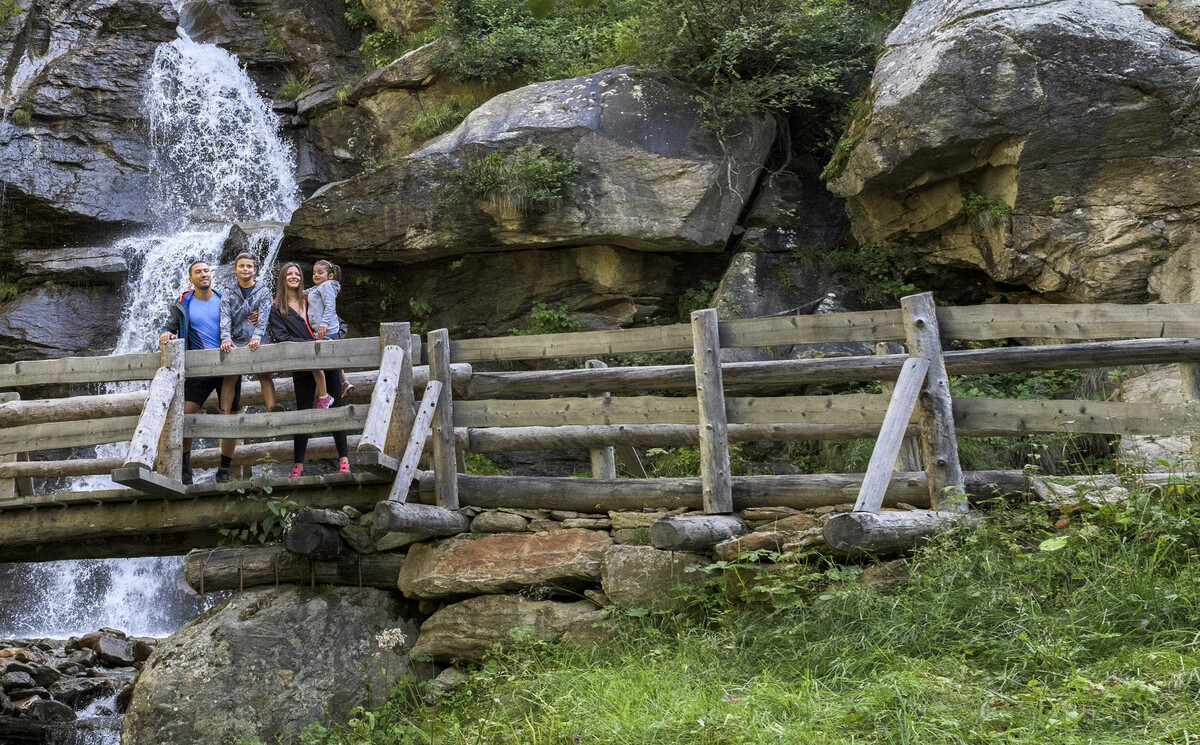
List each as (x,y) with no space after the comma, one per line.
(322,306)
(289,322)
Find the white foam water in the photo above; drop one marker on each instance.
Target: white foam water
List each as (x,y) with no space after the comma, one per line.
(218,159)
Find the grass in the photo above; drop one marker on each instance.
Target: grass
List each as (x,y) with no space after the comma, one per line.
(1028,630)
(442,118)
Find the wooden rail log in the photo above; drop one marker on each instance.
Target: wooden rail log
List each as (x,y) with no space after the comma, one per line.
(419,518)
(891,435)
(284,357)
(80,370)
(275,424)
(312,540)
(237,567)
(52,436)
(887,533)
(695,533)
(143,448)
(445,449)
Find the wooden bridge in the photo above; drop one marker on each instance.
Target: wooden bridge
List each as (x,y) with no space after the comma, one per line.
(437,397)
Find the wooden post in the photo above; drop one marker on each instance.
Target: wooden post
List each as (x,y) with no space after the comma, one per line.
(169,461)
(383,401)
(938,441)
(1189,387)
(420,431)
(910,447)
(8,486)
(404,405)
(714,428)
(887,446)
(143,447)
(604,459)
(445,467)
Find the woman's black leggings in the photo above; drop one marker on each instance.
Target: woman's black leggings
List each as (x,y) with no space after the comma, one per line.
(306,392)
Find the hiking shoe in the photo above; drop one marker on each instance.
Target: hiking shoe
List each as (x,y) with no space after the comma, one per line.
(347,387)
(344,467)
(322,402)
(297,471)
(222,475)
(186,476)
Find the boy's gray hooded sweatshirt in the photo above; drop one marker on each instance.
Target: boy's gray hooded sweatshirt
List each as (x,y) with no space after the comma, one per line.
(322,307)
(235,308)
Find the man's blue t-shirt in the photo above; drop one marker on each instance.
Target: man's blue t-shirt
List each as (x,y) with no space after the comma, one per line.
(204,317)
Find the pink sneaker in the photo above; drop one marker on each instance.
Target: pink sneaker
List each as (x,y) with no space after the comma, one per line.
(297,471)
(322,402)
(347,387)
(344,467)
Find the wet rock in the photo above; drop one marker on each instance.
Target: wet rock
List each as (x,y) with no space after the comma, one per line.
(16,681)
(466,631)
(553,562)
(78,169)
(143,647)
(82,657)
(47,710)
(79,692)
(268,662)
(655,179)
(250,237)
(86,266)
(114,651)
(644,577)
(499,522)
(44,675)
(57,321)
(1050,144)
(6,705)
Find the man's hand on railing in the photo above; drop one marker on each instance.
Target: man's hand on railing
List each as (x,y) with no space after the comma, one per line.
(165,337)
(226,345)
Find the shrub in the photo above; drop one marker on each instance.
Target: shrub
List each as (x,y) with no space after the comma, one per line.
(293,87)
(976,204)
(548,319)
(21,117)
(442,119)
(520,183)
(380,48)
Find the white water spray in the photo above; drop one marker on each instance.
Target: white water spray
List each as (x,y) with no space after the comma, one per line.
(218,159)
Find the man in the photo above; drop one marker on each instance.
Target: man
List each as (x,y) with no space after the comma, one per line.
(196,317)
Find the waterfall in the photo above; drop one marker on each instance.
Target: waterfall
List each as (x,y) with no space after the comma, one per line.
(218,159)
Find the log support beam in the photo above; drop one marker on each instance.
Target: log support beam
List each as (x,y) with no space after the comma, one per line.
(695,533)
(888,533)
(238,567)
(714,427)
(445,459)
(419,518)
(604,459)
(891,435)
(407,468)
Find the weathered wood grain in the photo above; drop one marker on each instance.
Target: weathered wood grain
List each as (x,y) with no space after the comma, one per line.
(891,435)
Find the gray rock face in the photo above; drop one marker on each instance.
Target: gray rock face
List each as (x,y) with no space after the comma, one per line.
(58,321)
(269,662)
(650,178)
(1078,115)
(90,266)
(644,577)
(74,162)
(470,629)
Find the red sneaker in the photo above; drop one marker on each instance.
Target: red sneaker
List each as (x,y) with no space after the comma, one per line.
(344,467)
(322,402)
(297,471)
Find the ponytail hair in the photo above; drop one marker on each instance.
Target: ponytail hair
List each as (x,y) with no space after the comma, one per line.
(333,270)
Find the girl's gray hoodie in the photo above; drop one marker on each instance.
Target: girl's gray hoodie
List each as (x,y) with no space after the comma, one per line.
(322,307)
(235,308)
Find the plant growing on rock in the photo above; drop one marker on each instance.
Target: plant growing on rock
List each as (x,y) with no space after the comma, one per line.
(548,319)
(294,86)
(441,119)
(520,183)
(21,117)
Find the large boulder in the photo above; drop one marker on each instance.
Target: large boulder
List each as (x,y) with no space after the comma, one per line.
(73,148)
(52,320)
(562,561)
(268,662)
(650,177)
(469,630)
(644,577)
(1050,144)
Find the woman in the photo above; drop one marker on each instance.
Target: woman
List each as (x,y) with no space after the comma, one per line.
(289,322)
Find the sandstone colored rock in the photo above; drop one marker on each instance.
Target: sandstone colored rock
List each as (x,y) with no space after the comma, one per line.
(644,577)
(492,521)
(731,549)
(802,521)
(554,562)
(266,663)
(468,630)
(650,177)
(1077,116)
(625,520)
(403,16)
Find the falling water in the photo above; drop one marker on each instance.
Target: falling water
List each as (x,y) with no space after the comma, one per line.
(218,159)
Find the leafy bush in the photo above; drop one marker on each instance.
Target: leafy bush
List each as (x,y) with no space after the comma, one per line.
(382,47)
(975,204)
(548,319)
(442,119)
(520,183)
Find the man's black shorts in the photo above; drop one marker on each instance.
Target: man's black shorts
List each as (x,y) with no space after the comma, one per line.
(197,390)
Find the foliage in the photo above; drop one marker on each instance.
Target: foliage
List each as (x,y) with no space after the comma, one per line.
(382,47)
(520,183)
(877,272)
(696,298)
(1017,632)
(421,311)
(444,118)
(357,16)
(479,464)
(21,117)
(9,9)
(685,461)
(270,528)
(8,287)
(548,319)
(975,204)
(293,86)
